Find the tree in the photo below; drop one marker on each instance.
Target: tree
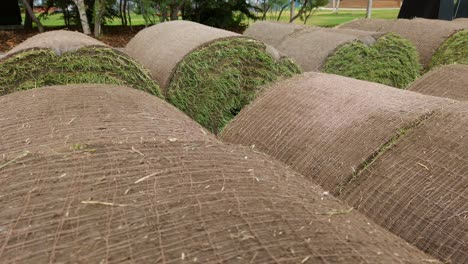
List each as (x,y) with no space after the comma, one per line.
(336,6)
(98,10)
(369,9)
(27,19)
(32,15)
(83,18)
(311,8)
(226,14)
(307,8)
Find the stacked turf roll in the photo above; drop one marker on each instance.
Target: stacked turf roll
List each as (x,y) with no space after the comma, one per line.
(453,50)
(64,57)
(148,184)
(383,58)
(210,74)
(397,156)
(426,34)
(448,81)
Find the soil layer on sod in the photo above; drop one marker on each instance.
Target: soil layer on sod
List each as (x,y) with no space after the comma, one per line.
(449,81)
(208,73)
(63,57)
(453,50)
(425,34)
(387,59)
(422,181)
(332,128)
(93,193)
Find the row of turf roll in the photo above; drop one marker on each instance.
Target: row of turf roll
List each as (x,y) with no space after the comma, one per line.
(390,52)
(209,73)
(66,57)
(399,157)
(105,174)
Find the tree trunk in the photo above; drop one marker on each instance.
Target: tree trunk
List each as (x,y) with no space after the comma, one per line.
(163,10)
(265,11)
(300,11)
(33,17)
(293,9)
(281,12)
(120,12)
(27,19)
(309,14)
(124,12)
(336,6)
(83,19)
(175,8)
(369,9)
(142,10)
(129,17)
(98,9)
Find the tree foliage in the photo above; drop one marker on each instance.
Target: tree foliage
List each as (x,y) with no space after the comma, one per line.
(219,13)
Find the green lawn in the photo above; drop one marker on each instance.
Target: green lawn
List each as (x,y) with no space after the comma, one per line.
(326,18)
(320,18)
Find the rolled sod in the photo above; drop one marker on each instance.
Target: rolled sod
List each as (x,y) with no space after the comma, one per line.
(425,34)
(391,60)
(453,50)
(336,130)
(419,187)
(61,57)
(115,174)
(208,73)
(273,33)
(382,58)
(448,81)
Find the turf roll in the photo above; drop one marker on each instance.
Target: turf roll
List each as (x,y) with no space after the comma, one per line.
(383,58)
(334,129)
(453,50)
(112,174)
(63,57)
(208,73)
(425,34)
(446,81)
(425,174)
(273,33)
(391,60)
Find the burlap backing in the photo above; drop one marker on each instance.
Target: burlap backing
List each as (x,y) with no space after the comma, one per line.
(157,189)
(449,81)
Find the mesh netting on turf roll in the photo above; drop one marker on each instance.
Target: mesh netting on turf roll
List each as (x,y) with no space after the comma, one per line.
(419,188)
(387,59)
(208,73)
(453,50)
(426,34)
(273,33)
(62,57)
(333,129)
(449,81)
(124,177)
